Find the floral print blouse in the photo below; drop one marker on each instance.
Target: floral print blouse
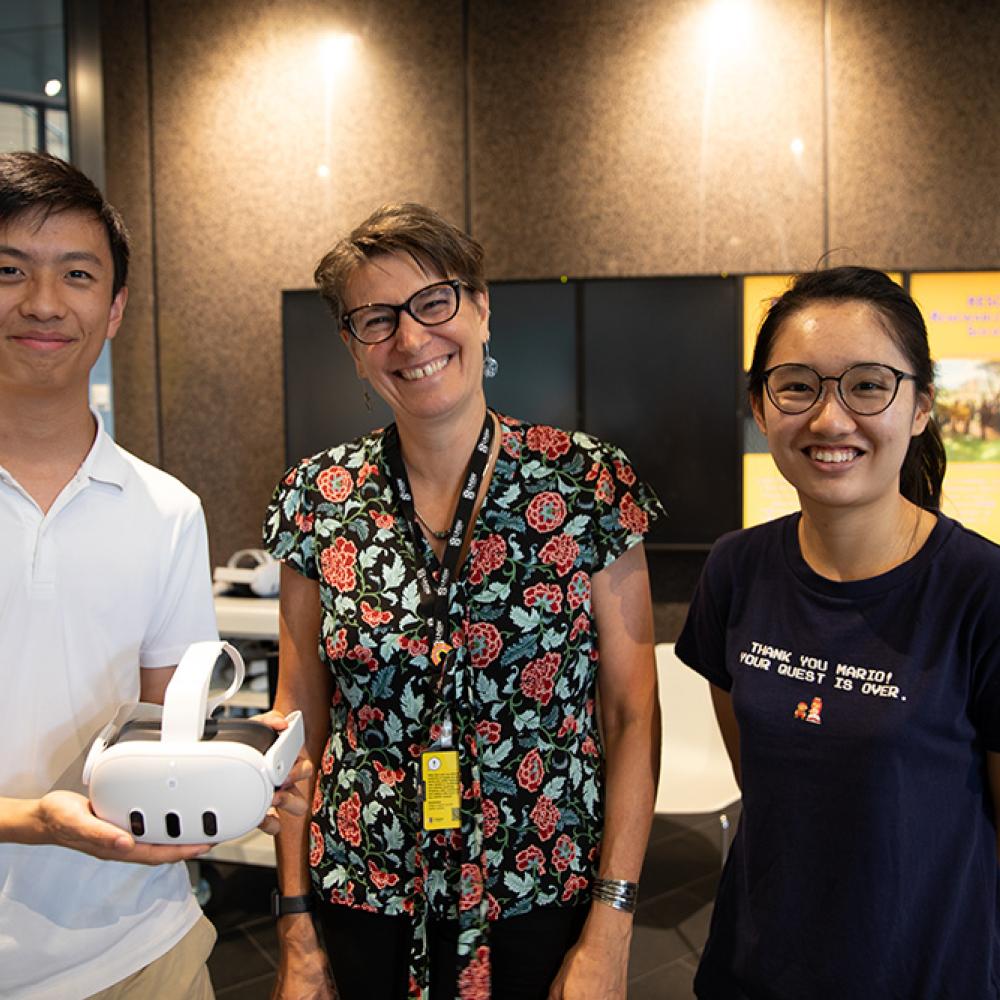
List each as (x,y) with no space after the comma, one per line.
(559,508)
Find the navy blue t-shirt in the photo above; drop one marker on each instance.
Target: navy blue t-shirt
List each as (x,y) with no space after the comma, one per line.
(865,863)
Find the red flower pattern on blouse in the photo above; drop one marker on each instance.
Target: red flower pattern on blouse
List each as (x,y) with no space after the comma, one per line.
(531,771)
(563,853)
(471,891)
(491,818)
(336,647)
(581,624)
(348,814)
(530,857)
(487,555)
(545,816)
(373,616)
(546,511)
(573,885)
(537,678)
(484,643)
(547,594)
(605,489)
(550,441)
(326,764)
(389,776)
(569,725)
(510,442)
(624,472)
(335,483)
(489,731)
(343,897)
(414,646)
(474,982)
(381,879)
(367,714)
(337,563)
(561,550)
(578,589)
(632,517)
(362,654)
(315,845)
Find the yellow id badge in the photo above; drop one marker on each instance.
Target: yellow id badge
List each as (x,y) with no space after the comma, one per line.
(442,789)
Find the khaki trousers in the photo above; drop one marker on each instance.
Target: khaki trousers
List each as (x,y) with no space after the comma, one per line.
(180,974)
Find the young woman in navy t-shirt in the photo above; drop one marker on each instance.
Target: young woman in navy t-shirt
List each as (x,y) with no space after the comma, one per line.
(854,654)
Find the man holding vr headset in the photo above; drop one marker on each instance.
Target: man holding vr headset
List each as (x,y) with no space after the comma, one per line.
(104,582)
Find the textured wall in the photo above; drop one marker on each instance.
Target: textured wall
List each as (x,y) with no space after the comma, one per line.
(634,137)
(914,157)
(642,138)
(243,114)
(129,184)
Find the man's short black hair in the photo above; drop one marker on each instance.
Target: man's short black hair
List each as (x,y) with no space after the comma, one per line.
(38,183)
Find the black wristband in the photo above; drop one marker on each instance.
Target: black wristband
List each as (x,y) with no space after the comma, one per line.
(283,905)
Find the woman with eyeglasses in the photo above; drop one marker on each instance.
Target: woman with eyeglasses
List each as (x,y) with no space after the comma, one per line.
(455,590)
(854,654)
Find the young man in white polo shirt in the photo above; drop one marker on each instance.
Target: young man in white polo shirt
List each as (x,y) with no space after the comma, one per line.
(104,581)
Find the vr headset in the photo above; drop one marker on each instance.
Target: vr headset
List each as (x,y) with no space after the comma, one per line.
(253,568)
(174,775)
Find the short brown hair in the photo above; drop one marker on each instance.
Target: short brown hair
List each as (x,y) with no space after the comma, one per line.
(400,228)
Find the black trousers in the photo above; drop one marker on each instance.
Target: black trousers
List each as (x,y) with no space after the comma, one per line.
(370,952)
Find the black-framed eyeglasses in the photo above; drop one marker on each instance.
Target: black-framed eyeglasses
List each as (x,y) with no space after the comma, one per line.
(866,389)
(430,306)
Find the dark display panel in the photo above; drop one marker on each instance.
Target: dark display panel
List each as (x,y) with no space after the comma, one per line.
(533,337)
(324,405)
(661,370)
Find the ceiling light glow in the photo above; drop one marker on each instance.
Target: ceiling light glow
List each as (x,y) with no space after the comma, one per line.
(335,50)
(728,25)
(53,87)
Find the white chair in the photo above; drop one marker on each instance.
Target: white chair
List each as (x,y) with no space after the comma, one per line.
(695,773)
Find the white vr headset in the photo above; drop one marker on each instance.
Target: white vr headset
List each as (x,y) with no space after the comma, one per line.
(253,568)
(174,775)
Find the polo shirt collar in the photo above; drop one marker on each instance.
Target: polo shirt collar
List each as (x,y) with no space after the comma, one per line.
(104,462)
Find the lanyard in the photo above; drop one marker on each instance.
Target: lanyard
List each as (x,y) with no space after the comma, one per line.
(436,599)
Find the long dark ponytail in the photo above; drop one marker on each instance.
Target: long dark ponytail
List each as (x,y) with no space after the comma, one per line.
(923,467)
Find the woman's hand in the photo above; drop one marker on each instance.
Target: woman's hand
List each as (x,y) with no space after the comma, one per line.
(596,967)
(289,798)
(303,971)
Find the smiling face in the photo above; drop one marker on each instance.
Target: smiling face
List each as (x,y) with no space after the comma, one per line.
(56,303)
(422,372)
(833,457)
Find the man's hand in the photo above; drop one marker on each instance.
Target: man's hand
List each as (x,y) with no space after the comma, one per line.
(288,798)
(66,820)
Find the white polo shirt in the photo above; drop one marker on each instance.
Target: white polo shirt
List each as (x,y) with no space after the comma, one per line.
(113,578)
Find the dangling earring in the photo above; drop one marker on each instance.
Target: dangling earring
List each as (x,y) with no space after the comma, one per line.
(366,397)
(490,364)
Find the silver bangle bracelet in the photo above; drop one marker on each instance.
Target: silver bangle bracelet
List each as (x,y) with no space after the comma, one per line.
(616,893)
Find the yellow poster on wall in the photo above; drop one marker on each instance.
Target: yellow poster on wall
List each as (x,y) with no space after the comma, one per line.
(766,493)
(962,312)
